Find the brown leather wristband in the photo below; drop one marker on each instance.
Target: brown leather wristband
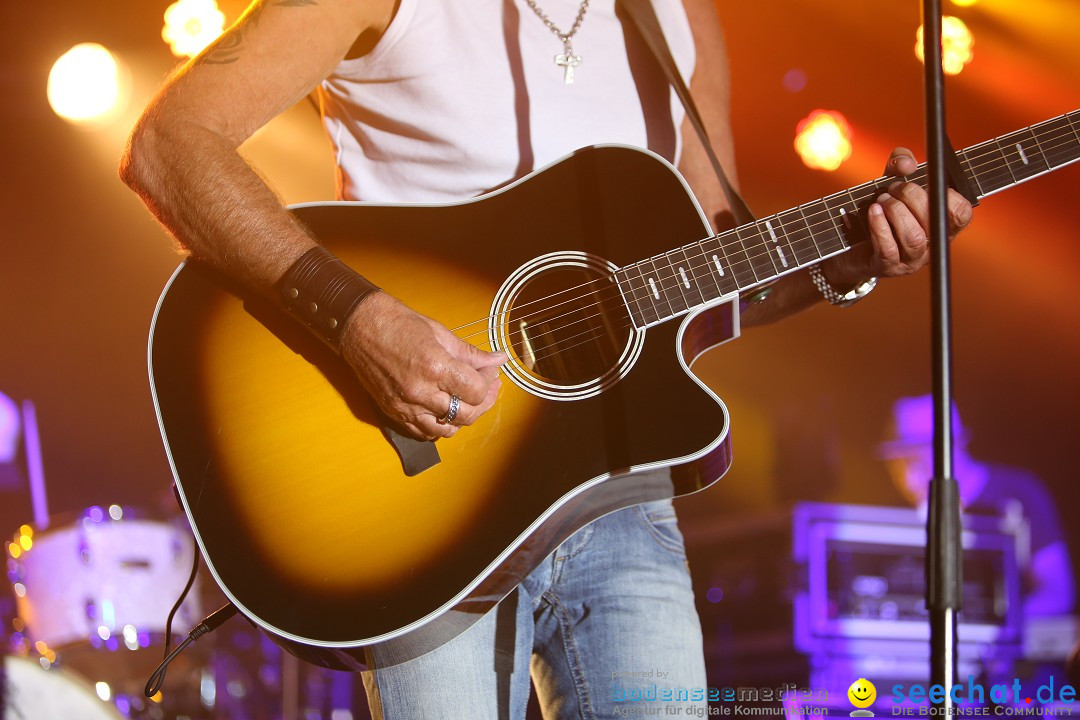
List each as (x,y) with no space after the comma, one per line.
(322,292)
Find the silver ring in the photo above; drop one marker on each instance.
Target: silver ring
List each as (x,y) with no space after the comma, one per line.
(451,412)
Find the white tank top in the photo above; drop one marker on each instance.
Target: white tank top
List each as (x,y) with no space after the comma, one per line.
(462,96)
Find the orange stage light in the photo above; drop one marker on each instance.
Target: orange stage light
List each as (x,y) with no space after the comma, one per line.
(191,25)
(823,140)
(87,85)
(956,44)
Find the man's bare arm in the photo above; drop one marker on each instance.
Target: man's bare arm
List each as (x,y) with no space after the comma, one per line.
(182,157)
(182,160)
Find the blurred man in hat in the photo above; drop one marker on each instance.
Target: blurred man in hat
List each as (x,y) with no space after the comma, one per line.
(986,489)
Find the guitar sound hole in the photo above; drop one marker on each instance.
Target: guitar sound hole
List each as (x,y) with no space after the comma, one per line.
(566,328)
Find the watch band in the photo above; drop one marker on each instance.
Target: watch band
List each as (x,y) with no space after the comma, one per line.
(835,297)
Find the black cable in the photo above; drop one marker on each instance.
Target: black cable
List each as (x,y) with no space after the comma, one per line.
(183,595)
(211,623)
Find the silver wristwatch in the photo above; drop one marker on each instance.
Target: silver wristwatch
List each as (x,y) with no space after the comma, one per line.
(837,298)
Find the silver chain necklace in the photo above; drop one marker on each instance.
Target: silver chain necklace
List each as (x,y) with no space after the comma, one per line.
(567,59)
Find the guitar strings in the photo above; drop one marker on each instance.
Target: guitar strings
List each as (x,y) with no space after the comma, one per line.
(915,176)
(589,332)
(594,335)
(760,235)
(991,149)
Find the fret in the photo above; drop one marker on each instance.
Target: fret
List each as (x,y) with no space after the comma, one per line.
(674,289)
(845,217)
(625,279)
(863,195)
(800,239)
(783,254)
(661,287)
(695,276)
(1008,166)
(1073,121)
(716,260)
(1059,140)
(776,226)
(810,230)
(738,260)
(990,167)
(1024,155)
(761,260)
(826,232)
(973,179)
(636,287)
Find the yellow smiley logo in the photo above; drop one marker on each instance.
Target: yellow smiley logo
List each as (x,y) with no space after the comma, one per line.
(862,693)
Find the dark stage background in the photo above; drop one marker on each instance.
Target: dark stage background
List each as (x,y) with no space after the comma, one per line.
(82,263)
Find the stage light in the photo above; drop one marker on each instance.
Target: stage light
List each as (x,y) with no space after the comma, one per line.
(87,85)
(956,45)
(823,140)
(191,25)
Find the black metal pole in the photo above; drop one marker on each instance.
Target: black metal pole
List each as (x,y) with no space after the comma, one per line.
(943,550)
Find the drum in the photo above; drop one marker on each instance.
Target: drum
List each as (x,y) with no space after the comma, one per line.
(28,691)
(97,592)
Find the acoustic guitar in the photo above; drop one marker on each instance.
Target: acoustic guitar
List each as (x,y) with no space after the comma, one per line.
(347,543)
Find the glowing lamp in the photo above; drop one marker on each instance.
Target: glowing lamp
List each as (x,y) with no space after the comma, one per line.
(823,140)
(85,85)
(956,45)
(191,25)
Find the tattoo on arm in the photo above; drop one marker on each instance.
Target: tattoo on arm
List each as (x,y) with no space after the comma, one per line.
(228,50)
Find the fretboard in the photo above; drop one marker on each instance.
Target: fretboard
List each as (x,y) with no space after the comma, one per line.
(673,283)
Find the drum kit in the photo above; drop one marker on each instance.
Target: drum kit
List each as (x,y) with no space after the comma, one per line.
(84,626)
(92,596)
(87,629)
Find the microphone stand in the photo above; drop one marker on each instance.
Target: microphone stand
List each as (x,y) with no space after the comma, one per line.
(943,549)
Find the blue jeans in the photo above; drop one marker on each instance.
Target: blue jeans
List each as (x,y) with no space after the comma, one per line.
(604,625)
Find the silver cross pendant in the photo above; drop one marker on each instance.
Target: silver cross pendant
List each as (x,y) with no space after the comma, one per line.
(568,60)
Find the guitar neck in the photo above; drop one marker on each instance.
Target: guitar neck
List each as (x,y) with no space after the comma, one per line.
(668,285)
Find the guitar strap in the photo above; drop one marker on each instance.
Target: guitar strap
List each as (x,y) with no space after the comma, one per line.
(643,15)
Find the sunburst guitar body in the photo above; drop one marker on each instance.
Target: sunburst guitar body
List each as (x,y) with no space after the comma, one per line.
(350,545)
